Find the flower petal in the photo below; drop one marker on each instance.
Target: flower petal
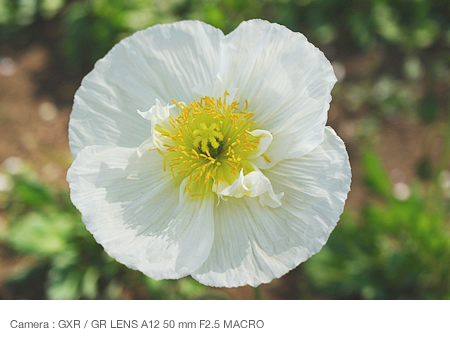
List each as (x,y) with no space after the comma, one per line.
(146,146)
(132,208)
(286,80)
(265,139)
(157,115)
(254,244)
(163,61)
(253,184)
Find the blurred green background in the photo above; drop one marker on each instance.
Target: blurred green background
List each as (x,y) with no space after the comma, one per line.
(390,106)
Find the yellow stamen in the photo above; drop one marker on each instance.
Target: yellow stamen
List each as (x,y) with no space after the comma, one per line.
(209,140)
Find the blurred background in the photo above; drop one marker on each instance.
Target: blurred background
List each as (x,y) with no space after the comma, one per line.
(391,106)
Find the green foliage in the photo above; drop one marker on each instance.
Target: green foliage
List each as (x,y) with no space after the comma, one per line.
(92,27)
(429,109)
(376,177)
(396,249)
(47,230)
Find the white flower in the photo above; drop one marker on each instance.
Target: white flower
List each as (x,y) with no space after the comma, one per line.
(207,155)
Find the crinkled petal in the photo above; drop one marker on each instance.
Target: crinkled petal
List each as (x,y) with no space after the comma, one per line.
(163,61)
(254,244)
(276,151)
(147,145)
(253,184)
(218,90)
(265,139)
(286,80)
(157,115)
(132,208)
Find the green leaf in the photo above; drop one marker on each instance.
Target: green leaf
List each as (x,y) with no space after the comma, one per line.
(429,109)
(89,283)
(31,193)
(40,234)
(376,177)
(425,169)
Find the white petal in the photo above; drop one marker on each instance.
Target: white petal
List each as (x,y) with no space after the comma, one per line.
(286,80)
(253,184)
(157,115)
(265,139)
(218,91)
(237,189)
(276,151)
(132,208)
(147,145)
(270,198)
(164,62)
(254,244)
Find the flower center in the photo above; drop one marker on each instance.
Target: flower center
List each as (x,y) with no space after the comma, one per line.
(208,142)
(208,139)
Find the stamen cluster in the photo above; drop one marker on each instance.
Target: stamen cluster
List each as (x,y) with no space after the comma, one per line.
(209,142)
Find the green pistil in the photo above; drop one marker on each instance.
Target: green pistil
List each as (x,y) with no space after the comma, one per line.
(207,137)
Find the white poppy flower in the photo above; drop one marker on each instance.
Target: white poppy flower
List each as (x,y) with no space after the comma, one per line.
(207,155)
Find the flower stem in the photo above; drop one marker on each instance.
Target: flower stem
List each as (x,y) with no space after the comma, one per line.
(257,293)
